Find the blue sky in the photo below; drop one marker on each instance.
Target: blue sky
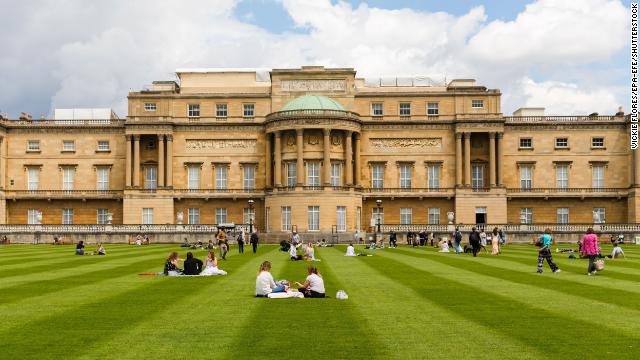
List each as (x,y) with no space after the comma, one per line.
(567,56)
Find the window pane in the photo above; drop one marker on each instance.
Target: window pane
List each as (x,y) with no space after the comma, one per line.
(405,216)
(313,173)
(434,176)
(313,218)
(291,174)
(147,216)
(249,178)
(377,176)
(68,174)
(525,177)
(341,218)
(405,176)
(477,178)
(221,215)
(221,177)
(286,218)
(34,178)
(194,177)
(335,174)
(151,178)
(562,176)
(434,215)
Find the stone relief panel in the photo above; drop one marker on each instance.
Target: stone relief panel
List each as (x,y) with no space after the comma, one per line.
(313,85)
(405,144)
(239,145)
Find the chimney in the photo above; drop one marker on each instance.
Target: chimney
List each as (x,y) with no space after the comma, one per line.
(620,111)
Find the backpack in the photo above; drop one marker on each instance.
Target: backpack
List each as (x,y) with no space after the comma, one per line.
(458,236)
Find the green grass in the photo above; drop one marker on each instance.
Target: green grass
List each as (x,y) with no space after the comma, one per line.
(403,303)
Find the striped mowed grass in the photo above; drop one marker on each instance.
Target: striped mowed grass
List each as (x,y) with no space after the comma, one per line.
(405,303)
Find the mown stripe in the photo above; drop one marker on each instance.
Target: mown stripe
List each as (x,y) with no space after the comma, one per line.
(514,319)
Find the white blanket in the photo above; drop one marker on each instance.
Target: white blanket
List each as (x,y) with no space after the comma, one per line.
(286,295)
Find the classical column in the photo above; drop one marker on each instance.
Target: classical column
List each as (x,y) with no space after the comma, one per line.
(3,166)
(268,162)
(500,157)
(348,155)
(467,159)
(277,153)
(169,161)
(356,160)
(161,160)
(636,167)
(458,159)
(300,161)
(128,160)
(326,144)
(136,160)
(492,159)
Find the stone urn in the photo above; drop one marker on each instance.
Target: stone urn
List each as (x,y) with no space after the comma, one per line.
(109,219)
(180,217)
(450,217)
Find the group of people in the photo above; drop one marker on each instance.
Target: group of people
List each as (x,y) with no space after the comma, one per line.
(192,265)
(80,249)
(141,240)
(478,240)
(312,287)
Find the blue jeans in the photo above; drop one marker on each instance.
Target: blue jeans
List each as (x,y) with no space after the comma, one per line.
(277,289)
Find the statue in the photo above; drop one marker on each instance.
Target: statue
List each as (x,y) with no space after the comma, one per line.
(180,217)
(450,217)
(109,219)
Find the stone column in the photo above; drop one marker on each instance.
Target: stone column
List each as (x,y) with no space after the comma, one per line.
(268,162)
(467,159)
(300,161)
(492,159)
(169,166)
(161,161)
(277,153)
(326,144)
(458,159)
(348,155)
(3,166)
(128,160)
(636,167)
(136,160)
(356,161)
(500,158)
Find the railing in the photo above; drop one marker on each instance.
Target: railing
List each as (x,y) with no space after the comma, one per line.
(63,193)
(53,123)
(313,187)
(319,113)
(218,191)
(120,229)
(408,190)
(561,119)
(524,228)
(564,190)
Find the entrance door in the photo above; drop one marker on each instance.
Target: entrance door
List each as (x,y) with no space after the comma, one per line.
(481,215)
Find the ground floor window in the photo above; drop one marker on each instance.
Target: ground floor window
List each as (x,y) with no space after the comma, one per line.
(221,215)
(599,215)
(341,218)
(434,215)
(405,216)
(32,216)
(562,215)
(313,213)
(249,216)
(194,215)
(67,216)
(103,216)
(526,216)
(286,218)
(147,216)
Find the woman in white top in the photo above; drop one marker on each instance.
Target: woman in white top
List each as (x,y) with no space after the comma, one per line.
(293,252)
(351,251)
(211,266)
(313,286)
(310,252)
(264,282)
(444,246)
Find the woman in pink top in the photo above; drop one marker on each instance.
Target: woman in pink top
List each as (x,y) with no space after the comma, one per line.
(590,249)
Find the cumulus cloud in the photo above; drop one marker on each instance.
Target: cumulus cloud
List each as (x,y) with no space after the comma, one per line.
(68,53)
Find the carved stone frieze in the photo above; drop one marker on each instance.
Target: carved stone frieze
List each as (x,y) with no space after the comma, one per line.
(335,124)
(221,144)
(405,144)
(313,85)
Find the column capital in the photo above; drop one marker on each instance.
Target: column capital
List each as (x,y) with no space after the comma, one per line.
(160,137)
(458,135)
(357,136)
(348,132)
(326,132)
(136,137)
(492,134)
(129,137)
(277,133)
(499,135)
(299,132)
(169,137)
(467,135)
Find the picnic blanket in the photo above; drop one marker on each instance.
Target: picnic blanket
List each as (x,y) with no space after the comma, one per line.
(286,295)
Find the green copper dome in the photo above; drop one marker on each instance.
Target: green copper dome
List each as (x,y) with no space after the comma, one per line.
(312,102)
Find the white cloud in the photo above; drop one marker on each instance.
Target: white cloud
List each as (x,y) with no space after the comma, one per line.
(77,53)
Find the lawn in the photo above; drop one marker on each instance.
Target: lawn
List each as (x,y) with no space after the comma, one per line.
(403,303)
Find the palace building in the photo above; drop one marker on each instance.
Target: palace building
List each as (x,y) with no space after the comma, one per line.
(315,149)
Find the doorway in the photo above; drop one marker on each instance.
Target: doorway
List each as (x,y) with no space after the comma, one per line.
(481,215)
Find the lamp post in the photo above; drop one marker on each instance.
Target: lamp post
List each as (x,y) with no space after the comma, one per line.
(378,203)
(250,215)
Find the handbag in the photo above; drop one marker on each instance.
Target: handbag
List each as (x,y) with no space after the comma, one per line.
(599,265)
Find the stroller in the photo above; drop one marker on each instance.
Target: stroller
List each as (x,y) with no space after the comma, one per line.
(285,246)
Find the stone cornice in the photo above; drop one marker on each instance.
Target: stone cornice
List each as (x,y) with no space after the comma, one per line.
(313,123)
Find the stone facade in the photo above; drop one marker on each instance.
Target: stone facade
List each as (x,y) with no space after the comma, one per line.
(203,148)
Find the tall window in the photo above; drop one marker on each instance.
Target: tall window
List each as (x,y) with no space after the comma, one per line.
(151,177)
(221,177)
(103,178)
(193,110)
(194,215)
(562,215)
(193,176)
(221,215)
(599,215)
(341,218)
(377,176)
(477,176)
(376,109)
(67,216)
(103,216)
(147,216)
(526,181)
(405,216)
(32,216)
(313,173)
(377,213)
(405,176)
(249,214)
(248,110)
(335,174)
(405,109)
(249,177)
(68,174)
(33,174)
(221,110)
(285,213)
(358,215)
(562,176)
(432,108)
(314,218)
(434,215)
(526,216)
(598,176)
(267,219)
(291,174)
(434,176)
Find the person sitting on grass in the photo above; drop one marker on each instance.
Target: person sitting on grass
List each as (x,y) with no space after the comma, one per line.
(210,246)
(293,253)
(100,251)
(185,243)
(192,266)
(138,240)
(211,266)
(309,253)
(351,251)
(313,286)
(616,252)
(444,246)
(80,248)
(264,281)
(171,265)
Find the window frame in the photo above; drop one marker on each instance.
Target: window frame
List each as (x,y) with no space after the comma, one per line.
(433,176)
(102,178)
(433,111)
(341,218)
(377,176)
(248,177)
(313,218)
(593,140)
(245,106)
(35,147)
(477,183)
(193,216)
(335,174)
(561,213)
(406,216)
(528,215)
(193,110)
(405,107)
(222,110)
(313,173)
(526,184)
(374,109)
(222,177)
(150,177)
(221,216)
(102,216)
(475,102)
(433,215)
(524,147)
(285,218)
(102,142)
(72,148)
(560,139)
(67,216)
(150,107)
(193,176)
(147,216)
(405,172)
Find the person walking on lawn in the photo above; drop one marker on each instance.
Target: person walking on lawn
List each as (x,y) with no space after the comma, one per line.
(590,249)
(544,253)
(474,241)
